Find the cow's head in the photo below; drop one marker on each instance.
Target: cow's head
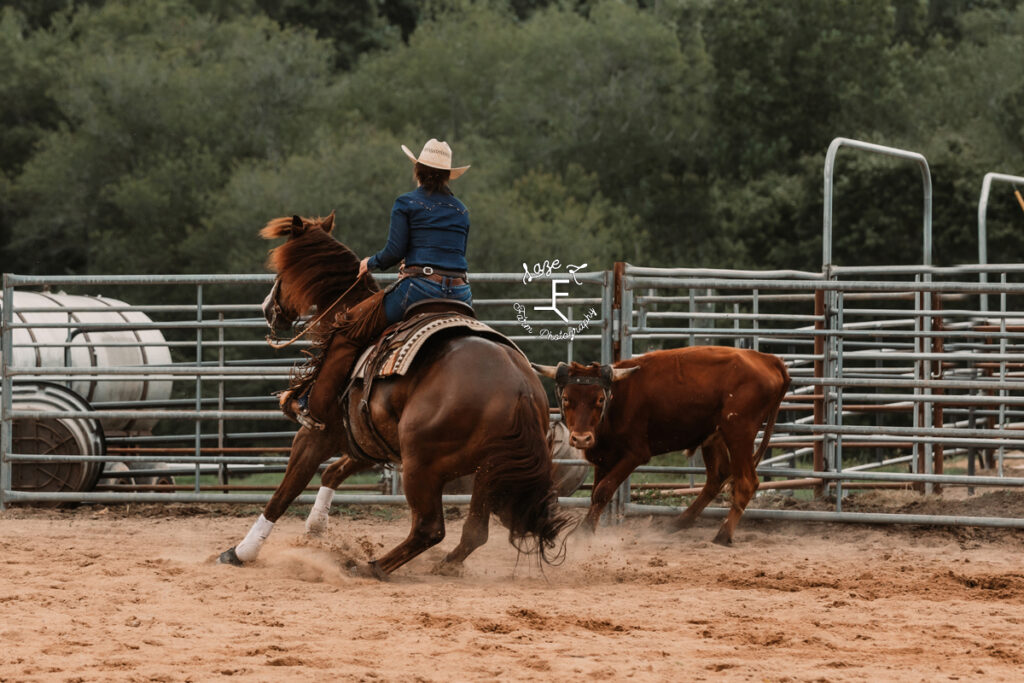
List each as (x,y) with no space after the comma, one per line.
(584,393)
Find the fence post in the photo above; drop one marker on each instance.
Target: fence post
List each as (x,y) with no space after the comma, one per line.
(819,390)
(199,381)
(222,469)
(622,349)
(938,347)
(607,319)
(6,392)
(986,187)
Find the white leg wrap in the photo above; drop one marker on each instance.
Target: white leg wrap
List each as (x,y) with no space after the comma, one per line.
(316,523)
(250,546)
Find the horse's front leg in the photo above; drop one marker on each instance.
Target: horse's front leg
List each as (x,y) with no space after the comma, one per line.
(333,476)
(309,450)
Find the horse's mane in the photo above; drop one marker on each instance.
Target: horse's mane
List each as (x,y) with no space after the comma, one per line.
(317,267)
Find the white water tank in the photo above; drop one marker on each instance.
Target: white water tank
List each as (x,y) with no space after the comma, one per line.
(54,347)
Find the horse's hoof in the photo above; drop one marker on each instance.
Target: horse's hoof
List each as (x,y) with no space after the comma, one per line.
(370,570)
(316,527)
(446,568)
(229,556)
(723,541)
(675,526)
(586,530)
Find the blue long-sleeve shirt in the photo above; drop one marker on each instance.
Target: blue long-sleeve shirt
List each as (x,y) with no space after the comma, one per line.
(426,230)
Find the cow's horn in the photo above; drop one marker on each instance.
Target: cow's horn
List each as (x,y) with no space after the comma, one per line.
(548,371)
(620,373)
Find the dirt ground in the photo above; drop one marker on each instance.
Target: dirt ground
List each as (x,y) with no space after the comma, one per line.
(133,594)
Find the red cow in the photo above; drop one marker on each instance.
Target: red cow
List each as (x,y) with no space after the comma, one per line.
(715,397)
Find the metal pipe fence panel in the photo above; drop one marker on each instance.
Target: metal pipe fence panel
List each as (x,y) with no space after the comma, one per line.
(884,375)
(223,374)
(892,364)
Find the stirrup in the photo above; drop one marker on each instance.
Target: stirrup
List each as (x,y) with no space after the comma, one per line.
(308,421)
(294,410)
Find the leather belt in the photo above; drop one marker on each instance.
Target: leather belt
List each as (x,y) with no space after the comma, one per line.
(456,278)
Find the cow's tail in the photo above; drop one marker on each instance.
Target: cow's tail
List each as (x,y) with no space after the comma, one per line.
(517,479)
(769,426)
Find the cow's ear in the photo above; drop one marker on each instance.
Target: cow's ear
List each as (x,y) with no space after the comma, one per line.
(549,371)
(621,373)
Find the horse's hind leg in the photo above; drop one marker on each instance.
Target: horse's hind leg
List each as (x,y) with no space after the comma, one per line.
(309,449)
(333,476)
(474,534)
(423,492)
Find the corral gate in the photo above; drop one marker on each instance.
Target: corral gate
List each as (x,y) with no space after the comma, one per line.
(912,364)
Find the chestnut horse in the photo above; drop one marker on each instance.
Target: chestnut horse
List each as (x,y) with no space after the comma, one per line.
(469,405)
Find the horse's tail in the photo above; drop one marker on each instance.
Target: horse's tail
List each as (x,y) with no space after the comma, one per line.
(516,476)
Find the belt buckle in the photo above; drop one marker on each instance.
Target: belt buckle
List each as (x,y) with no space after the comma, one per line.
(427,270)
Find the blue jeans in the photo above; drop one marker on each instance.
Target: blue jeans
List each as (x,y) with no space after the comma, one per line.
(412,289)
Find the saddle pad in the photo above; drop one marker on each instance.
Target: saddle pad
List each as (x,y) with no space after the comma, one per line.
(399,354)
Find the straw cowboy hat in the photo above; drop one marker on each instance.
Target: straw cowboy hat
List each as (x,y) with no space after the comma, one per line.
(436,154)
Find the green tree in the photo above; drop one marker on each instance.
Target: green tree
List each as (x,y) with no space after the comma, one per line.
(615,92)
(160,103)
(791,76)
(353,26)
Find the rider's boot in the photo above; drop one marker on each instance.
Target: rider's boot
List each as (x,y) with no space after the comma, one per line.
(319,406)
(296,407)
(322,399)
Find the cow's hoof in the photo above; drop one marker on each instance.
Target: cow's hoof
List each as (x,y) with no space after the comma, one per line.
(446,568)
(229,556)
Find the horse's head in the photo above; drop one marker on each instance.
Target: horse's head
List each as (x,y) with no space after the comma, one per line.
(274,312)
(313,269)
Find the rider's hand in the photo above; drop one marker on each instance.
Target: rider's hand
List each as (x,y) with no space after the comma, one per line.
(363,267)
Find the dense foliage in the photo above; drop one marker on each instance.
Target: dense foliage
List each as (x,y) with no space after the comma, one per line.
(159,135)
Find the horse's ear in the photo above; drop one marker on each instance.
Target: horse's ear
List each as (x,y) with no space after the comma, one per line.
(328,223)
(298,227)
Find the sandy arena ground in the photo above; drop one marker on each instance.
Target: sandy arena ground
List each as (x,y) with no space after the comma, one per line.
(116,594)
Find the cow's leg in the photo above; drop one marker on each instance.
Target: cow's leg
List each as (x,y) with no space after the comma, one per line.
(333,476)
(739,439)
(423,492)
(309,450)
(606,484)
(474,533)
(600,474)
(716,465)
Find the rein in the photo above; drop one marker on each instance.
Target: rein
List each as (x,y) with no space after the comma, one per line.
(274,344)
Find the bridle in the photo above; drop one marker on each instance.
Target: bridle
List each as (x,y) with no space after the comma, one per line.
(277,310)
(604,380)
(272,308)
